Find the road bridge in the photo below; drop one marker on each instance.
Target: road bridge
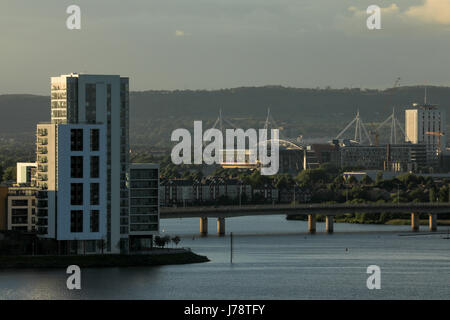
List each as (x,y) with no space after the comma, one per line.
(311,210)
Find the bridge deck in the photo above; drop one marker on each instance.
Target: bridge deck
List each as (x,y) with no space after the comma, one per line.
(316,208)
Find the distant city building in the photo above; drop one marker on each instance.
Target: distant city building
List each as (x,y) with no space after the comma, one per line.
(25,172)
(176,191)
(21,209)
(295,194)
(386,175)
(426,125)
(317,154)
(224,154)
(268,193)
(399,157)
(291,161)
(213,190)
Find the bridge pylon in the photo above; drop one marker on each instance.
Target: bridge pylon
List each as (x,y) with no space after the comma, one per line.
(221,226)
(415,222)
(432,218)
(329,221)
(204,226)
(312,223)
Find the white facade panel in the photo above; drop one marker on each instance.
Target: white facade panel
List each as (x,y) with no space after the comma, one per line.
(65,180)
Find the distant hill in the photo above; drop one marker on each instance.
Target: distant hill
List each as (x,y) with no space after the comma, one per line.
(284,102)
(21,112)
(311,112)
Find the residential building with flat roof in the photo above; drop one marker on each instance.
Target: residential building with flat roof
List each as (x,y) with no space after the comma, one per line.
(422,120)
(25,172)
(144,205)
(21,209)
(88,133)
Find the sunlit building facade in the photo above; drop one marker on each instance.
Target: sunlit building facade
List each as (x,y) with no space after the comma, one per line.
(86,111)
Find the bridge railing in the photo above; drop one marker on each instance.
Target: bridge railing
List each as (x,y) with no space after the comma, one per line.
(412,205)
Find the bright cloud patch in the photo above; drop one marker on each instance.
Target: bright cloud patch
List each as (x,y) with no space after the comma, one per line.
(393,8)
(179,33)
(434,11)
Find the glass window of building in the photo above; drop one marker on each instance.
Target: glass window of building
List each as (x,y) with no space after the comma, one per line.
(76,194)
(76,221)
(76,139)
(76,167)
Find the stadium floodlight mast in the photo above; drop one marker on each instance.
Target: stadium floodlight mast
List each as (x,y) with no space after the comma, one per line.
(360,128)
(235,142)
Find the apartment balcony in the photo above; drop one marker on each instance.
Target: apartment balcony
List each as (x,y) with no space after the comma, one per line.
(42,214)
(42,230)
(42,204)
(42,195)
(42,222)
(42,185)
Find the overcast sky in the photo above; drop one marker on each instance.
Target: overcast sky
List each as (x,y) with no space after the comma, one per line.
(213,44)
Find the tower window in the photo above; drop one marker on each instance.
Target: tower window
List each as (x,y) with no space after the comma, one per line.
(95,172)
(94,221)
(95,139)
(76,167)
(95,191)
(76,194)
(76,139)
(76,221)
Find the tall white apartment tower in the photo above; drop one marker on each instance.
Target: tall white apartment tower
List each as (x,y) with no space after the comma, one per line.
(420,121)
(82,160)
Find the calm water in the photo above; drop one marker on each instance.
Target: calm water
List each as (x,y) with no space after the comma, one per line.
(273,259)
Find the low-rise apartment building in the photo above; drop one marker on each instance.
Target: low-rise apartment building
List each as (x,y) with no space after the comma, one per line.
(21,209)
(144,205)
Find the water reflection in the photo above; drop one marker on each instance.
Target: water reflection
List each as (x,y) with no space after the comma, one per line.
(273,259)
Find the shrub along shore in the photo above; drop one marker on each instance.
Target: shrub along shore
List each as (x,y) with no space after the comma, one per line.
(100,261)
(369,219)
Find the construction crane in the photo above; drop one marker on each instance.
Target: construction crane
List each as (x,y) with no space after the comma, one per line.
(439,135)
